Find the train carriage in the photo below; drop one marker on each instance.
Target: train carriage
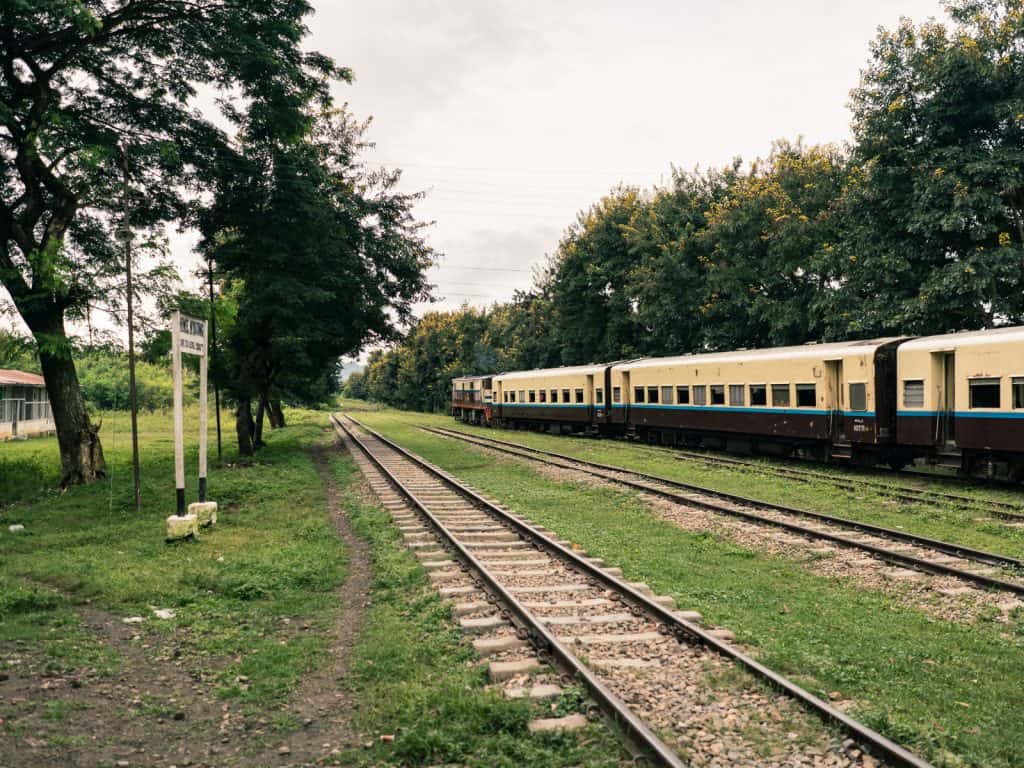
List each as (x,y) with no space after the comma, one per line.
(472,399)
(572,397)
(961,400)
(819,400)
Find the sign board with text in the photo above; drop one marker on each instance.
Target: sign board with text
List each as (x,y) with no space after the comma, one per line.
(188,336)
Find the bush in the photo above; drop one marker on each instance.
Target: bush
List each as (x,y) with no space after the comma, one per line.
(104,380)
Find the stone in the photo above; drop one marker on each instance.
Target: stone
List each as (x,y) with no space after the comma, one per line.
(163,613)
(205,512)
(16,528)
(182,527)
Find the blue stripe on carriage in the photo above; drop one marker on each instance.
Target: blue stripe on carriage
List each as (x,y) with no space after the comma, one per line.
(965,414)
(547,405)
(738,409)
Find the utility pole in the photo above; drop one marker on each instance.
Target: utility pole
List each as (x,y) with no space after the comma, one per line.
(211,351)
(126,235)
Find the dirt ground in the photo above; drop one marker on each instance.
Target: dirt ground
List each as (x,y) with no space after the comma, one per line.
(159,709)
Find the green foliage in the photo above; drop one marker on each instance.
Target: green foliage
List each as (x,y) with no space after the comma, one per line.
(103,375)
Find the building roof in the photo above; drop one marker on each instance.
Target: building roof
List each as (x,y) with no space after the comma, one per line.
(950,341)
(805,351)
(20,378)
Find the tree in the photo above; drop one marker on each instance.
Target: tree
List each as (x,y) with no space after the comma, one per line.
(324,254)
(79,81)
(933,217)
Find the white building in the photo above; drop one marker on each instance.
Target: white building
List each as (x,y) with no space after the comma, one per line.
(24,405)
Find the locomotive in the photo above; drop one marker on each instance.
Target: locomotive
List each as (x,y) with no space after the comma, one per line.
(955,400)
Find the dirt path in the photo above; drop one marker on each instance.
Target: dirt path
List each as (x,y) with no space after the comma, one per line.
(160,709)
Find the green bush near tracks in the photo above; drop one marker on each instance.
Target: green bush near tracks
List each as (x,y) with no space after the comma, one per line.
(414,677)
(945,690)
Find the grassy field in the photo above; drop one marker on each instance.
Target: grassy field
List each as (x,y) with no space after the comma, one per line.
(256,601)
(945,690)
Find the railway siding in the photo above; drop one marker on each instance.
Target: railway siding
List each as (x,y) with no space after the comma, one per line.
(632,652)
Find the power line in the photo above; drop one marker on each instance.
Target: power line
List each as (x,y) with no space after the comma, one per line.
(517,169)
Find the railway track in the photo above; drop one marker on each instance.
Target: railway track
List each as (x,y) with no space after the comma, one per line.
(906,550)
(539,600)
(1006,510)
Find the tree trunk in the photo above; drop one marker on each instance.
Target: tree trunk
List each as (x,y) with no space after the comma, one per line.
(261,411)
(277,414)
(244,426)
(81,453)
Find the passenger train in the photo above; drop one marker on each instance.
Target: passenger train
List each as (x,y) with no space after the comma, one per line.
(955,400)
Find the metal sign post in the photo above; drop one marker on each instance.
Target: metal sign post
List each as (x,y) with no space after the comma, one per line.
(188,336)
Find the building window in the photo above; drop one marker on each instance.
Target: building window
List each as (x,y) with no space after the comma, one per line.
(533,396)
(806,396)
(913,393)
(565,396)
(599,396)
(652,394)
(758,394)
(780,395)
(736,395)
(616,394)
(858,397)
(984,393)
(683,395)
(638,394)
(718,394)
(700,395)
(666,395)
(554,395)
(543,396)
(1018,391)
(579,395)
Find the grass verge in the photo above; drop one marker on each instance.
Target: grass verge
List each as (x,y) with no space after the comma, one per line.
(944,690)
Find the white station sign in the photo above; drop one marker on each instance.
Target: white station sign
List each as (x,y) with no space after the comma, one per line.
(191,335)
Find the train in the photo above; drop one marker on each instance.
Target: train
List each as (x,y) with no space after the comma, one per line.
(954,400)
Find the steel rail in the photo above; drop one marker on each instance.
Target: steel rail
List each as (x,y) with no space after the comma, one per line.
(682,629)
(1003,509)
(896,558)
(540,636)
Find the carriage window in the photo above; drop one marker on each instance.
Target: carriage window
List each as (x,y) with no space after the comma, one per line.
(683,395)
(780,395)
(543,396)
(504,397)
(565,396)
(666,395)
(984,393)
(700,395)
(616,394)
(638,394)
(718,394)
(913,393)
(1018,391)
(758,394)
(554,395)
(858,397)
(652,394)
(599,396)
(736,394)
(533,396)
(806,397)
(579,395)
(512,396)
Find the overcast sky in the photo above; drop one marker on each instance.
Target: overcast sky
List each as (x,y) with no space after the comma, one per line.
(513,116)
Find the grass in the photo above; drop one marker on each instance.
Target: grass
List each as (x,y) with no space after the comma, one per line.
(943,689)
(273,555)
(415,679)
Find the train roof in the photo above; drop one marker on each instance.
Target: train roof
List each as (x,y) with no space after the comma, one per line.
(566,370)
(831,350)
(474,378)
(949,341)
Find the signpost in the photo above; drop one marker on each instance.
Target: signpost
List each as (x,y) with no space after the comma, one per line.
(188,336)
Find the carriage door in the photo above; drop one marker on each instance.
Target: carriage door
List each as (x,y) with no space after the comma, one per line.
(834,398)
(588,395)
(947,399)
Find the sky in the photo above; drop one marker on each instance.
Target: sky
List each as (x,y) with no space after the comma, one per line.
(514,116)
